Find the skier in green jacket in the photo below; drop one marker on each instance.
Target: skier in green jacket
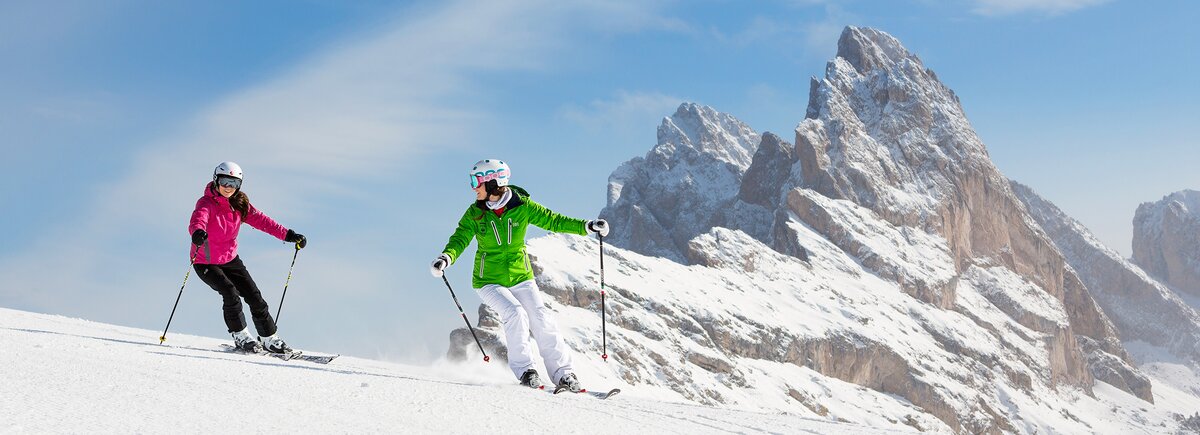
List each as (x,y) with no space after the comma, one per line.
(502,274)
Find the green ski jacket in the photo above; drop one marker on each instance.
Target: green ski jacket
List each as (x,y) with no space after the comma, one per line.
(501,258)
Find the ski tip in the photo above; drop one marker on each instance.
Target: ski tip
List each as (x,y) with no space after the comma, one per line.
(541,387)
(583,390)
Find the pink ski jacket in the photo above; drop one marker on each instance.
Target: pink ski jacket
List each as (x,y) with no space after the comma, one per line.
(216,217)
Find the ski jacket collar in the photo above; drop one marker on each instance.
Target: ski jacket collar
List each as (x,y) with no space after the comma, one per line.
(518,198)
(501,203)
(210,190)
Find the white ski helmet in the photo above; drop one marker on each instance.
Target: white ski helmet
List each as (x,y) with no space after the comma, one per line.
(230,170)
(488,170)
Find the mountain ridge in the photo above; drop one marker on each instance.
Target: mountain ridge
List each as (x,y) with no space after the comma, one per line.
(883,249)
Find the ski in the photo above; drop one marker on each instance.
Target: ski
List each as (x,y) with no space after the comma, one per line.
(294,355)
(596,394)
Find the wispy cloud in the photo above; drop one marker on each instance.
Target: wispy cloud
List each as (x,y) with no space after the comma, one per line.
(626,112)
(818,35)
(1049,7)
(99,107)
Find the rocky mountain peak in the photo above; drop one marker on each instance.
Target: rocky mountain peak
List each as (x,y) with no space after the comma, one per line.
(684,185)
(708,134)
(1166,240)
(869,49)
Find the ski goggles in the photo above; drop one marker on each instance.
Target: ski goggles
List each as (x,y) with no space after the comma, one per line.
(479,178)
(227,181)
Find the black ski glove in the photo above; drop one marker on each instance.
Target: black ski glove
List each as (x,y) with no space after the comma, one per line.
(199,237)
(297,238)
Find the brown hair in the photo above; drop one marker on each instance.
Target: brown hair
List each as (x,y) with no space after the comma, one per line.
(481,204)
(240,203)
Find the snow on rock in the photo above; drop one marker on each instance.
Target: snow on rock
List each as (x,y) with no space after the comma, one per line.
(750,328)
(885,133)
(489,332)
(880,271)
(919,262)
(62,375)
(1166,240)
(679,188)
(1142,309)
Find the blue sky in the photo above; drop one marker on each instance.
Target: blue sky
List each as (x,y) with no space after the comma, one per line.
(356,121)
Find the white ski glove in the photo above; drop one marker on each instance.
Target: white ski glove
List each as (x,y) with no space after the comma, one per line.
(439,265)
(598,226)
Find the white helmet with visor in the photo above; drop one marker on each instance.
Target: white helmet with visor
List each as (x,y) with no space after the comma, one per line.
(488,170)
(228,174)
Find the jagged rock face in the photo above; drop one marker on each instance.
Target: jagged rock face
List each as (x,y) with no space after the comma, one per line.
(1141,308)
(770,172)
(1166,240)
(683,186)
(1116,371)
(490,333)
(884,132)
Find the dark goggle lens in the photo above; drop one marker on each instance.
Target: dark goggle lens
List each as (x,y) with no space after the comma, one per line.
(229,182)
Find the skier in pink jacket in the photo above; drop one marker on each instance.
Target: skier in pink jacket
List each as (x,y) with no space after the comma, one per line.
(214,227)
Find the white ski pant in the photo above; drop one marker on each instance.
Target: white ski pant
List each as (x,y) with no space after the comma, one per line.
(522,311)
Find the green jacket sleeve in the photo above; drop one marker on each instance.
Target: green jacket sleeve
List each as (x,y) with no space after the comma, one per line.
(551,221)
(461,237)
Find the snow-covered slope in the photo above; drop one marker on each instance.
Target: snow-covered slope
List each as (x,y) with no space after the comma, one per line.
(754,329)
(61,375)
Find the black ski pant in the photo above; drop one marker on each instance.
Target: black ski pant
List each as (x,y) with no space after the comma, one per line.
(233,282)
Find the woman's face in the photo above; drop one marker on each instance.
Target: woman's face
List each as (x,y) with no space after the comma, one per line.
(480,192)
(225,191)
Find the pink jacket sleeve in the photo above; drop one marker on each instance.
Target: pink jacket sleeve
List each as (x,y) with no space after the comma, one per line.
(200,216)
(264,223)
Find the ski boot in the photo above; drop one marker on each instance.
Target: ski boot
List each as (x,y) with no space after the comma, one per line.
(274,344)
(245,342)
(568,383)
(530,379)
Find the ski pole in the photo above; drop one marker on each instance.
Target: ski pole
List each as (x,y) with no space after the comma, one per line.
(279,310)
(486,358)
(162,338)
(603,307)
